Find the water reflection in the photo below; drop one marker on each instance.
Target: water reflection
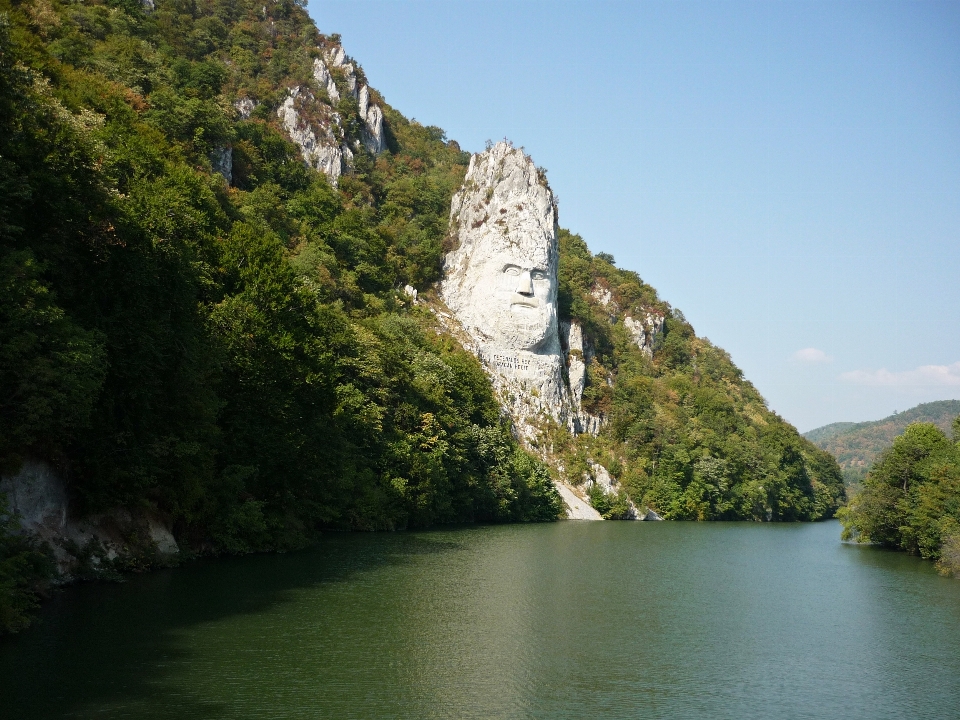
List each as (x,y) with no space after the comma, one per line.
(566,620)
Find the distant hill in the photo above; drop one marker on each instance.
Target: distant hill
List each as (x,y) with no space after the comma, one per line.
(857,445)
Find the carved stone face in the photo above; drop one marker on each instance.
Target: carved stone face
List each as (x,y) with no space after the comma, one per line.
(513,298)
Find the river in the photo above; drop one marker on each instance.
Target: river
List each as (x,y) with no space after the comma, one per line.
(566,620)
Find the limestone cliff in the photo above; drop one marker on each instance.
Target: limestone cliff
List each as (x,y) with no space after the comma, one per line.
(501,282)
(88,545)
(311,118)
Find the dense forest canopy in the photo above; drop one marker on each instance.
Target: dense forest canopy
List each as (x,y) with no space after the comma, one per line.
(240,356)
(686,433)
(910,499)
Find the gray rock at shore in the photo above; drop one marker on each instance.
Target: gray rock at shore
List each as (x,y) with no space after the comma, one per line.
(40,497)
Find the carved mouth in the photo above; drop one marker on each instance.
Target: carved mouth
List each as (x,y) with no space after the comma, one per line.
(519,301)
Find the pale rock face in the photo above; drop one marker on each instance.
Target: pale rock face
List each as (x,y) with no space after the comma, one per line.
(318,141)
(645,332)
(602,478)
(578,355)
(325,80)
(601,294)
(323,153)
(244,107)
(577,507)
(501,282)
(372,116)
(221,159)
(338,58)
(39,496)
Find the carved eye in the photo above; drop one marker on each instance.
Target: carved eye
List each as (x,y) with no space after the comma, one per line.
(538,275)
(511,270)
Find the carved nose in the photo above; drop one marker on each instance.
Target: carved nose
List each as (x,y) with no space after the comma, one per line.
(526,284)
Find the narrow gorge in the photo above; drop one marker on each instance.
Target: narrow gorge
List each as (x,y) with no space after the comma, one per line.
(247,301)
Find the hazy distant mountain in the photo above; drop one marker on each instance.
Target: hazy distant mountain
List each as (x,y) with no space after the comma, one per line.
(857,445)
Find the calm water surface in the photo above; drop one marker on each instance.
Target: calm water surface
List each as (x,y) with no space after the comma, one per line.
(569,620)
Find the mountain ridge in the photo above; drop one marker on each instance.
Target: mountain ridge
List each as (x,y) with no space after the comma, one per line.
(858,445)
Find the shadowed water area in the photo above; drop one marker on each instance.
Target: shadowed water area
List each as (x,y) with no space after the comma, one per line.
(719,620)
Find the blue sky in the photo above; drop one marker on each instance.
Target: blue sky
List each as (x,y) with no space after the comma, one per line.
(785,173)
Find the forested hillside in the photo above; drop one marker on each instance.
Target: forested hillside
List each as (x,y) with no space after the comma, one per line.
(910,499)
(685,433)
(856,446)
(240,356)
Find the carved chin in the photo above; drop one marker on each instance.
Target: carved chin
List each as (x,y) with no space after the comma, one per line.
(520,331)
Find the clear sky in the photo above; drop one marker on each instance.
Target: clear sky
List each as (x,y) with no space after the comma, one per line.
(785,173)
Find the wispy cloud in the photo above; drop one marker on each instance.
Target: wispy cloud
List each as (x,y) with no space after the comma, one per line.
(812,356)
(925,376)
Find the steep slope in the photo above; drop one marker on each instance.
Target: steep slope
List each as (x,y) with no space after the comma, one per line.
(212,231)
(857,446)
(604,380)
(196,323)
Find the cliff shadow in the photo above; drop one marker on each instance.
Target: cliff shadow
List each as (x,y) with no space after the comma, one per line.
(111,650)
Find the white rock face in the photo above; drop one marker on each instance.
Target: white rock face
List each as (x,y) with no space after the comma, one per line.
(244,106)
(501,282)
(221,160)
(324,152)
(325,80)
(578,355)
(601,294)
(39,496)
(337,58)
(321,139)
(645,332)
(372,116)
(577,507)
(602,478)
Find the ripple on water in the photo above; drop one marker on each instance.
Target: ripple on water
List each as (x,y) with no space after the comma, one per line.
(672,620)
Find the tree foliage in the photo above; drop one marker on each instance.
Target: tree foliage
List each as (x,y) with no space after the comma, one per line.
(237,357)
(910,499)
(685,432)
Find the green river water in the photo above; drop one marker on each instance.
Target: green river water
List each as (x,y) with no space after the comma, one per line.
(567,620)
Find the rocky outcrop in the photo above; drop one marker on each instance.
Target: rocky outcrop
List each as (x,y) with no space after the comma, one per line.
(335,57)
(39,496)
(317,141)
(600,477)
(501,282)
(221,160)
(578,355)
(244,107)
(372,116)
(645,332)
(310,118)
(325,81)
